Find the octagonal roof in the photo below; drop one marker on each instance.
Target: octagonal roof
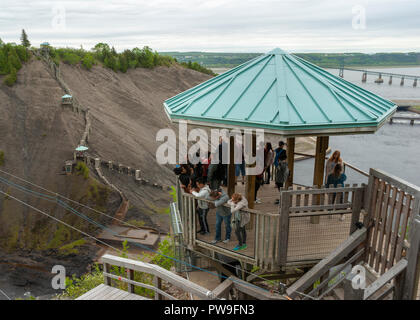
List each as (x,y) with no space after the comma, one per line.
(283,94)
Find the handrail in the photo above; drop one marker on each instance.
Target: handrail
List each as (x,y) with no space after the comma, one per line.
(253,211)
(139,284)
(385,278)
(358,237)
(344,163)
(220,292)
(159,272)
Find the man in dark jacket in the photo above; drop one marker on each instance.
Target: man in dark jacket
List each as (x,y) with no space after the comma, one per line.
(279,151)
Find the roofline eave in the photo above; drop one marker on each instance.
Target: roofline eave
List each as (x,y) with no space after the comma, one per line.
(367,129)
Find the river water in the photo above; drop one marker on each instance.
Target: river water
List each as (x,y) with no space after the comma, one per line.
(394,148)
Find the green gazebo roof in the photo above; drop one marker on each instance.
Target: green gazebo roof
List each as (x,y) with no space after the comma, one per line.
(283,94)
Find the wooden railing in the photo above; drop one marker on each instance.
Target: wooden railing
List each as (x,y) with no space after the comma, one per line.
(388,245)
(321,272)
(345,164)
(312,216)
(270,234)
(393,205)
(160,274)
(263,229)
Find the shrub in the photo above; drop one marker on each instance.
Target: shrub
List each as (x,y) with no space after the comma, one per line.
(11,78)
(1,158)
(70,58)
(75,287)
(81,168)
(88,61)
(71,247)
(197,67)
(11,58)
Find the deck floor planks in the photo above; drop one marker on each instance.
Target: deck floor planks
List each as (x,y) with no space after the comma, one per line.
(307,241)
(105,292)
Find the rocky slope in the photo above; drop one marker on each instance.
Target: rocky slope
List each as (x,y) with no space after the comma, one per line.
(37,135)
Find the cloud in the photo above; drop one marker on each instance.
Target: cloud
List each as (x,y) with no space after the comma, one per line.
(216,25)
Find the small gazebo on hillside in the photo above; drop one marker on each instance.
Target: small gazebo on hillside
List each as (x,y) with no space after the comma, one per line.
(45,47)
(285,95)
(67,99)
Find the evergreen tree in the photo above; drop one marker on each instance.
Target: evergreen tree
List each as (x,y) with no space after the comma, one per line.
(24,39)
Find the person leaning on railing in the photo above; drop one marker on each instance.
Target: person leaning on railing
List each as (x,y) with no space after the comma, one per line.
(336,178)
(332,162)
(202,191)
(223,214)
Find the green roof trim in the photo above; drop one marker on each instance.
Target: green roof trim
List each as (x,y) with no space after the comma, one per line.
(284,94)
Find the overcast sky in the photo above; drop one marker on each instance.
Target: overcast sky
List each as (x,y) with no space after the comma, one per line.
(218,25)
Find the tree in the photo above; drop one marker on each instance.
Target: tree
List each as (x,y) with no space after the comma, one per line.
(24,39)
(11,78)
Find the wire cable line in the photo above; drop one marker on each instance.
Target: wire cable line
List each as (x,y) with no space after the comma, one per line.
(72,210)
(71,200)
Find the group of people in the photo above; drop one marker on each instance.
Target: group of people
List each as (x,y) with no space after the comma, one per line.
(205,179)
(233,215)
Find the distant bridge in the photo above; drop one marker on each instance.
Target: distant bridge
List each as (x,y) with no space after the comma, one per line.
(410,119)
(380,74)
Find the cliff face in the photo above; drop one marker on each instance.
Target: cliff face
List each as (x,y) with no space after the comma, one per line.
(126,111)
(37,135)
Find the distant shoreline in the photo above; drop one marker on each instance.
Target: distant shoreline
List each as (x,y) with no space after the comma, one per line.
(355,67)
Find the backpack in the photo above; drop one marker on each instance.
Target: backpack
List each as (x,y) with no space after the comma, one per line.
(219,174)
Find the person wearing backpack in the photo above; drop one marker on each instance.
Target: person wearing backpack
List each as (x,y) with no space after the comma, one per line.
(282,172)
(215,175)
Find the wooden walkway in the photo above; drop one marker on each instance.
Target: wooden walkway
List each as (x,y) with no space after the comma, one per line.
(104,292)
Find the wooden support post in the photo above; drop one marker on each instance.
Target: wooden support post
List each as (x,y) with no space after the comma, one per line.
(158,284)
(107,269)
(356,209)
(320,152)
(284,228)
(349,292)
(231,167)
(290,160)
(412,275)
(130,273)
(250,180)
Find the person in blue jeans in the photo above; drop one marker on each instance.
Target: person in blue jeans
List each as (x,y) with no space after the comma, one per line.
(223,214)
(336,178)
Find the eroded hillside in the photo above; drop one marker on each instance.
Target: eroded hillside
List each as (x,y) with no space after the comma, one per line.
(126,111)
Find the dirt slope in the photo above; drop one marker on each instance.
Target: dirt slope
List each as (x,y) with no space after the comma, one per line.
(127,111)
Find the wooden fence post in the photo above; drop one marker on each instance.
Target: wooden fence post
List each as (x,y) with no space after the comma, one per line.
(158,284)
(107,279)
(356,208)
(284,227)
(131,277)
(349,292)
(412,274)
